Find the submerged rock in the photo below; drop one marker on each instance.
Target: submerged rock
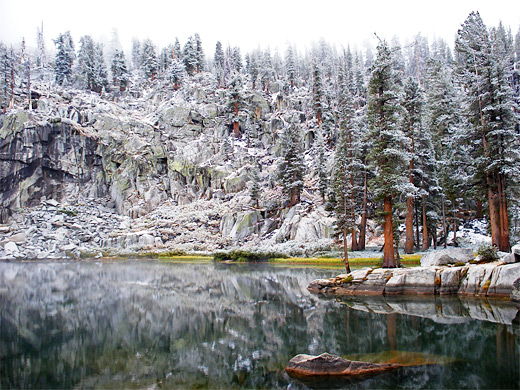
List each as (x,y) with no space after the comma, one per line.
(330,365)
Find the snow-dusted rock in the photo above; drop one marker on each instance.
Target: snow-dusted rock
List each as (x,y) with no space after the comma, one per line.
(515,292)
(447,256)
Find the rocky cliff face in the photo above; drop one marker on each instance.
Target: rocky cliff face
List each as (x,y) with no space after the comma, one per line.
(153,155)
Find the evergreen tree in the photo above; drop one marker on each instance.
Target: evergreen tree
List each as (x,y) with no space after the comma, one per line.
(190,57)
(290,66)
(323,177)
(120,76)
(236,100)
(176,73)
(86,61)
(291,167)
(167,55)
(137,54)
(485,74)
(6,69)
(177,52)
(266,71)
(389,157)
(199,54)
(100,75)
(445,120)
(149,61)
(253,70)
(236,59)
(64,58)
(318,94)
(412,118)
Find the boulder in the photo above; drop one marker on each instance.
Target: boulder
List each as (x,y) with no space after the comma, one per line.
(330,365)
(515,292)
(515,251)
(447,256)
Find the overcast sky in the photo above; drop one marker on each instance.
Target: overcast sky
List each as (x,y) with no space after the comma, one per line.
(264,23)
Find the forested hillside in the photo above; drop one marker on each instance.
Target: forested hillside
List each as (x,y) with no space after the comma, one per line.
(203,151)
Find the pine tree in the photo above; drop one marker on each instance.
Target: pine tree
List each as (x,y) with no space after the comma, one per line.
(236,100)
(6,68)
(266,71)
(323,177)
(253,70)
(291,167)
(236,59)
(100,74)
(290,66)
(388,156)
(149,61)
(445,120)
(485,74)
(137,54)
(199,54)
(120,75)
(218,60)
(190,57)
(64,58)
(413,105)
(176,73)
(318,93)
(86,61)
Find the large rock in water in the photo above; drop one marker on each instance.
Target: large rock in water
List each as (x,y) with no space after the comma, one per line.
(447,256)
(330,365)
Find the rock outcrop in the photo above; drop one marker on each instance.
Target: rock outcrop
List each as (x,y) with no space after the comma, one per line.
(447,256)
(487,280)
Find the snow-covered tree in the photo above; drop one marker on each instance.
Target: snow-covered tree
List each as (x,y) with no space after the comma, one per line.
(120,75)
(290,65)
(136,53)
(176,73)
(199,54)
(190,56)
(236,100)
(389,157)
(254,187)
(149,62)
(483,66)
(65,56)
(7,69)
(41,57)
(291,167)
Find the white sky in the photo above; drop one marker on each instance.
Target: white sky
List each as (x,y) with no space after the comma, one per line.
(249,25)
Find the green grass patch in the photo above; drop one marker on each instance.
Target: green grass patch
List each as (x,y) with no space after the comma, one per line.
(369,261)
(242,256)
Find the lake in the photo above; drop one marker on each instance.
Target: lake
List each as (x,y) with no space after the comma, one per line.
(159,324)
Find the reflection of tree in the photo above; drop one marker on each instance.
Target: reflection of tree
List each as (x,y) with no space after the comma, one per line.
(192,325)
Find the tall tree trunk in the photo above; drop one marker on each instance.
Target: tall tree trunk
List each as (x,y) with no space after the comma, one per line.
(409,243)
(425,238)
(494,209)
(455,226)
(504,218)
(417,234)
(345,250)
(236,126)
(363,228)
(444,228)
(388,255)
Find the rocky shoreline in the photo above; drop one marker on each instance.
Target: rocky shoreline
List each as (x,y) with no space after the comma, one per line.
(483,280)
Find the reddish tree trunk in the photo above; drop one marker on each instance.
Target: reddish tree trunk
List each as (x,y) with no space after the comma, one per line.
(409,243)
(236,127)
(363,228)
(504,219)
(494,210)
(388,256)
(345,252)
(425,237)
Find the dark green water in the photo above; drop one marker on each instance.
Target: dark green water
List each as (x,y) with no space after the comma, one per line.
(149,324)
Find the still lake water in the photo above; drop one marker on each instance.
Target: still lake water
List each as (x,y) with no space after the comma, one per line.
(150,324)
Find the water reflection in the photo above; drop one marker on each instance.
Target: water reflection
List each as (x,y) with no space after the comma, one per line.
(151,324)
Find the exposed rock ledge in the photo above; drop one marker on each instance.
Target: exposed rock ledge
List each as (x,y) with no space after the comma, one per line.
(489,280)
